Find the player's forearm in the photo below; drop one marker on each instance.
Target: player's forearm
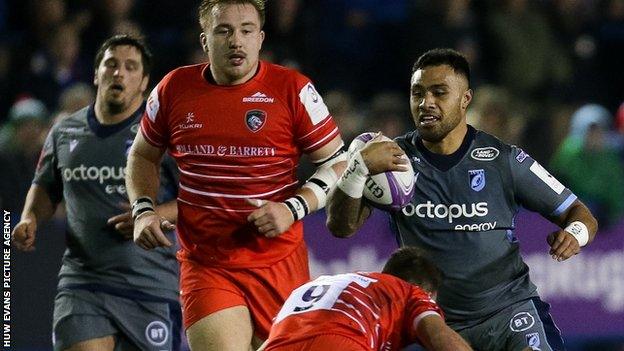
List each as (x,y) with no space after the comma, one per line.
(168,210)
(38,205)
(579,212)
(312,197)
(447,340)
(435,335)
(142,177)
(345,214)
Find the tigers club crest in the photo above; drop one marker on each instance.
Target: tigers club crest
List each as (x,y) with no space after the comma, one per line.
(255,119)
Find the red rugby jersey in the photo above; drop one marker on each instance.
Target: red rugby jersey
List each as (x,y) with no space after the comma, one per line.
(233,143)
(377,310)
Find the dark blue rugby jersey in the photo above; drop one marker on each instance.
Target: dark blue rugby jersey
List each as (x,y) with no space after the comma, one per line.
(84,162)
(463,218)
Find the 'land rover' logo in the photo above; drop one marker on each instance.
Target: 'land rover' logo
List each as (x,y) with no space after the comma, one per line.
(485,153)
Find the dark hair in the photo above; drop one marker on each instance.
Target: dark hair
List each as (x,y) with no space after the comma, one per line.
(409,264)
(207,5)
(126,39)
(437,57)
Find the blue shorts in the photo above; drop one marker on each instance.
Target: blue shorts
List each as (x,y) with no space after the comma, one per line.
(81,315)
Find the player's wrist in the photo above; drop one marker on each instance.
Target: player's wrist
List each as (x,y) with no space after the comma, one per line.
(142,205)
(579,231)
(353,179)
(298,207)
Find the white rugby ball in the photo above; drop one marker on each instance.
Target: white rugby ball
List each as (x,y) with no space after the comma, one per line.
(388,190)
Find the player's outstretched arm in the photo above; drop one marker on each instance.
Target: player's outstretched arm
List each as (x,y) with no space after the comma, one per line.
(142,181)
(346,211)
(579,228)
(435,335)
(37,208)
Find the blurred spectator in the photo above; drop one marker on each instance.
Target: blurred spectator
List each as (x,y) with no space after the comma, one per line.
(21,139)
(342,107)
(588,163)
(388,113)
(530,61)
(494,111)
(56,66)
(76,97)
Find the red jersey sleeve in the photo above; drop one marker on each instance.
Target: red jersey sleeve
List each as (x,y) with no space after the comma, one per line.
(154,126)
(420,304)
(314,125)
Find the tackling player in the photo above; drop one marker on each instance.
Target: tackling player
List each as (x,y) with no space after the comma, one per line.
(367,311)
(111,294)
(236,127)
(469,187)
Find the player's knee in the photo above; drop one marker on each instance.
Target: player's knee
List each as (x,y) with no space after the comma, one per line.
(226,330)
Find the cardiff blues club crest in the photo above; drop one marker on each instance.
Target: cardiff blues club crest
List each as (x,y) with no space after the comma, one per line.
(255,119)
(477,179)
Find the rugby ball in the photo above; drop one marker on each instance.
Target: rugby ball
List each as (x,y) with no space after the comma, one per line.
(388,190)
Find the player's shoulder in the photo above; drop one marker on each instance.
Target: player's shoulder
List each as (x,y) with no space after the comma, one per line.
(285,76)
(487,146)
(183,74)
(76,121)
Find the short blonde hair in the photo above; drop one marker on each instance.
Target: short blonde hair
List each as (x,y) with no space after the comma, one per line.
(206,7)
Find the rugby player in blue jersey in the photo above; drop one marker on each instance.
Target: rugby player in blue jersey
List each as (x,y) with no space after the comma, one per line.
(469,188)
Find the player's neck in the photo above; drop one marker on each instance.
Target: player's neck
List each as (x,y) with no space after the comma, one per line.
(451,142)
(220,78)
(104,114)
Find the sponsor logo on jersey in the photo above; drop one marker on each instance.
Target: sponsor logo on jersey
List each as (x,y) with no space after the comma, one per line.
(449,212)
(157,333)
(313,103)
(521,321)
(99,174)
(477,179)
(255,119)
(225,150)
(488,153)
(533,341)
(152,105)
(259,97)
(189,122)
(521,156)
(72,144)
(416,159)
(547,178)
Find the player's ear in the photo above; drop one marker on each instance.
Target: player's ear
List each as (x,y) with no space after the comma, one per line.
(95,78)
(144,83)
(203,40)
(466,99)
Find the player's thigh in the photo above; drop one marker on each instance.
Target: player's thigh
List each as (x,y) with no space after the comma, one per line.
(80,320)
(229,329)
(266,289)
(532,327)
(145,325)
(106,343)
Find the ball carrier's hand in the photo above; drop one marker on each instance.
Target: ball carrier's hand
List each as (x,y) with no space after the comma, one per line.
(271,218)
(149,227)
(381,156)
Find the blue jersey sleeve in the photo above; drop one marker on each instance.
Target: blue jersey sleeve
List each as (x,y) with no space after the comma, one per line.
(47,174)
(535,188)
